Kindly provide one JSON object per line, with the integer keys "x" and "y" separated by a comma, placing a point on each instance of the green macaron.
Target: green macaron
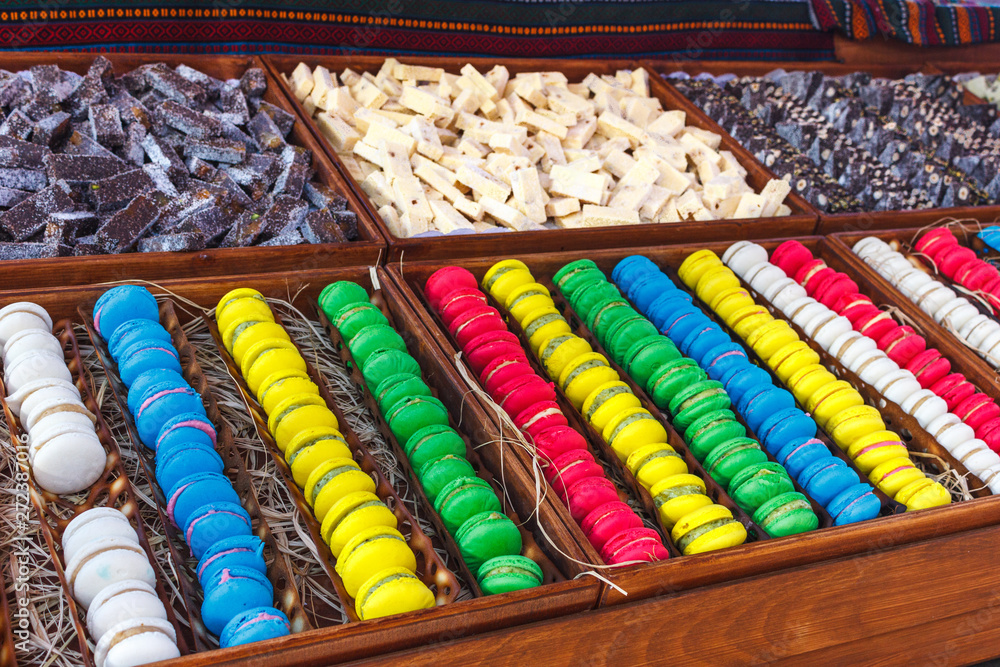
{"x": 598, "y": 312}
{"x": 696, "y": 401}
{"x": 464, "y": 497}
{"x": 487, "y": 535}
{"x": 373, "y": 338}
{"x": 569, "y": 272}
{"x": 627, "y": 333}
{"x": 586, "y": 298}
{"x": 670, "y": 378}
{"x": 787, "y": 514}
{"x": 505, "y": 574}
{"x": 354, "y": 317}
{"x": 647, "y": 355}
{"x": 383, "y": 363}
{"x": 608, "y": 318}
{"x": 337, "y": 295}
{"x": 433, "y": 442}
{"x": 440, "y": 472}
{"x": 730, "y": 457}
{"x": 758, "y": 483}
{"x": 413, "y": 413}
{"x": 399, "y": 386}
{"x": 711, "y": 430}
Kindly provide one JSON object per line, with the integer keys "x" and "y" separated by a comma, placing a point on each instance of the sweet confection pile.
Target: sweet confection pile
{"x": 485, "y": 151}
{"x": 150, "y": 160}
{"x": 860, "y": 143}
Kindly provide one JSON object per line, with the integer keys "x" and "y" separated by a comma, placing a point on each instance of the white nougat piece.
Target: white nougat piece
{"x": 668, "y": 125}
{"x": 578, "y": 135}
{"x": 395, "y": 160}
{"x": 483, "y": 183}
{"x": 561, "y": 100}
{"x": 722, "y": 187}
{"x": 446, "y": 218}
{"x": 506, "y": 215}
{"x": 527, "y": 190}
{"x": 369, "y": 94}
{"x": 470, "y": 209}
{"x": 774, "y": 194}
{"x": 376, "y": 186}
{"x": 600, "y": 216}
{"x": 631, "y": 197}
{"x": 654, "y": 203}
{"x": 301, "y": 82}
{"x": 420, "y": 101}
{"x": 698, "y": 149}
{"x": 436, "y": 177}
{"x": 426, "y": 136}
{"x": 323, "y": 82}
{"x": 710, "y": 139}
{"x": 364, "y": 118}
{"x": 751, "y": 206}
{"x": 508, "y": 143}
{"x": 368, "y": 152}
{"x": 410, "y": 198}
{"x": 377, "y": 132}
{"x": 341, "y": 136}
{"x": 416, "y": 72}
{"x": 580, "y": 185}
{"x": 540, "y": 123}
{"x": 611, "y": 125}
{"x": 480, "y": 83}
{"x": 729, "y": 163}
{"x": 349, "y": 77}
{"x": 559, "y": 207}
{"x": 530, "y": 88}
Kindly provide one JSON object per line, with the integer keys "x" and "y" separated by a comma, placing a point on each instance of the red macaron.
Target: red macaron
{"x": 503, "y": 369}
{"x": 976, "y": 410}
{"x": 483, "y": 349}
{"x": 608, "y": 520}
{"x": 458, "y": 301}
{"x": 835, "y": 288}
{"x": 875, "y": 324}
{"x": 976, "y": 273}
{"x": 936, "y": 240}
{"x": 816, "y": 279}
{"x": 854, "y": 307}
{"x": 475, "y": 322}
{"x": 953, "y": 259}
{"x": 929, "y": 367}
{"x": 558, "y": 440}
{"x": 635, "y": 544}
{"x": 540, "y": 417}
{"x": 444, "y": 281}
{"x": 567, "y": 469}
{"x": 807, "y": 270}
{"x": 954, "y": 389}
{"x": 902, "y": 344}
{"x": 588, "y": 494}
{"x": 990, "y": 434}
{"x": 790, "y": 256}
{"x": 522, "y": 392}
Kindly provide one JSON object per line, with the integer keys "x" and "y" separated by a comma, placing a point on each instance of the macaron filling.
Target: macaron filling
{"x": 685, "y": 540}
{"x": 628, "y": 421}
{"x": 157, "y": 396}
{"x": 325, "y": 479}
{"x": 604, "y": 396}
{"x": 666, "y": 495}
{"x": 658, "y": 454}
{"x": 312, "y": 443}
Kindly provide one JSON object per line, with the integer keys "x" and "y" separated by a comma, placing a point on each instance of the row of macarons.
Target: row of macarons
{"x": 838, "y": 407}
{"x": 941, "y": 249}
{"x": 468, "y": 506}
{"x": 962, "y": 419}
{"x": 722, "y": 370}
{"x": 956, "y": 313}
{"x": 497, "y": 357}
{"x": 111, "y": 577}
{"x": 64, "y": 451}
{"x": 171, "y": 420}
{"x": 373, "y": 559}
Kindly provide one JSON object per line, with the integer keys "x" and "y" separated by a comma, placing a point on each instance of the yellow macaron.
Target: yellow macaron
{"x": 333, "y": 480}
{"x": 543, "y": 323}
{"x": 874, "y": 449}
{"x": 696, "y": 265}
{"x": 606, "y": 401}
{"x": 677, "y": 496}
{"x": 652, "y": 463}
{"x": 278, "y": 386}
{"x": 353, "y": 514}
{"x": 506, "y": 276}
{"x": 394, "y": 590}
{"x": 831, "y": 399}
{"x": 248, "y": 334}
{"x": 848, "y": 425}
{"x": 893, "y": 475}
{"x": 268, "y": 357}
{"x": 231, "y": 298}
{"x": 771, "y": 337}
{"x": 311, "y": 447}
{"x": 728, "y": 301}
{"x": 923, "y": 494}
{"x": 297, "y": 413}
{"x": 526, "y": 298}
{"x": 583, "y": 375}
{"x": 804, "y": 382}
{"x": 559, "y": 350}
{"x": 791, "y": 358}
{"x": 708, "y": 528}
{"x": 715, "y": 280}
{"x": 371, "y": 550}
{"x": 631, "y": 429}
{"x": 745, "y": 320}
{"x": 239, "y": 315}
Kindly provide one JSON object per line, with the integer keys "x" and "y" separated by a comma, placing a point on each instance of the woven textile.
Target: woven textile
{"x": 692, "y": 29}
{"x": 922, "y": 22}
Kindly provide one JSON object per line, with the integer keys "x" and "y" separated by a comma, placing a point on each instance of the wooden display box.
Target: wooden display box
{"x": 355, "y": 640}
{"x": 801, "y": 221}
{"x": 60, "y": 271}
{"x": 751, "y": 559}
{"x": 847, "y": 222}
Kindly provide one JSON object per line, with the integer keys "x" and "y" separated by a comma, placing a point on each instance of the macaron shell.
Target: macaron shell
{"x": 395, "y": 591}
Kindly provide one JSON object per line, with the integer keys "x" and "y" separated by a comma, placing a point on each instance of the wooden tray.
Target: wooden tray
{"x": 801, "y": 221}
{"x": 113, "y": 489}
{"x": 830, "y": 223}
{"x": 753, "y": 559}
{"x": 354, "y": 641}
{"x": 61, "y": 271}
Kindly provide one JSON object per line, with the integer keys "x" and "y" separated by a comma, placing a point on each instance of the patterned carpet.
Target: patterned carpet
{"x": 681, "y": 29}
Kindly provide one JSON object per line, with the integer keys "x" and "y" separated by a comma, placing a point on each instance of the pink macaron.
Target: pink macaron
{"x": 929, "y": 367}
{"x": 483, "y": 349}
{"x": 458, "y": 301}
{"x": 589, "y": 493}
{"x": 503, "y": 369}
{"x": 540, "y": 417}
{"x": 976, "y": 410}
{"x": 790, "y": 256}
{"x": 556, "y": 441}
{"x": 522, "y": 392}
{"x": 444, "y": 281}
{"x": 975, "y": 274}
{"x": 902, "y": 344}
{"x": 815, "y": 279}
{"x": 935, "y": 241}
{"x": 875, "y": 325}
{"x": 567, "y": 469}
{"x": 954, "y": 389}
{"x": 608, "y": 520}
{"x": 475, "y": 322}
{"x": 636, "y": 544}
{"x": 835, "y": 289}
{"x": 953, "y": 259}
{"x": 990, "y": 434}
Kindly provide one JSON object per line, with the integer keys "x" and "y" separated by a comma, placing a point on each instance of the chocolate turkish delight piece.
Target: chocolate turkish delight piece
{"x": 291, "y": 180}
{"x": 253, "y": 83}
{"x": 223, "y": 179}
{"x": 188, "y": 121}
{"x": 80, "y": 143}
{"x": 84, "y": 223}
{"x": 12, "y": 196}
{"x": 10, "y": 251}
{"x": 17, "y": 125}
{"x": 286, "y": 214}
{"x": 164, "y": 156}
{"x": 234, "y": 106}
{"x": 127, "y": 226}
{"x": 200, "y": 169}
{"x": 266, "y": 133}
{"x": 82, "y": 168}
{"x": 348, "y": 223}
{"x": 187, "y": 242}
{"x": 51, "y": 130}
{"x": 112, "y": 193}
{"x": 293, "y": 237}
{"x": 86, "y": 246}
{"x": 15, "y": 92}
{"x": 245, "y": 230}
{"x": 212, "y": 223}
{"x": 106, "y": 125}
{"x": 131, "y": 110}
{"x": 322, "y": 196}
{"x": 172, "y": 85}
{"x": 211, "y": 85}
{"x": 319, "y": 227}
{"x": 30, "y": 216}
{"x": 283, "y": 120}
{"x": 217, "y": 150}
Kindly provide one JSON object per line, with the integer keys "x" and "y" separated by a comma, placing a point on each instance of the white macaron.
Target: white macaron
{"x": 36, "y": 366}
{"x": 924, "y": 406}
{"x": 137, "y": 641}
{"x": 28, "y": 340}
{"x": 742, "y": 255}
{"x": 105, "y": 561}
{"x": 20, "y": 316}
{"x": 122, "y": 601}
{"x": 94, "y": 524}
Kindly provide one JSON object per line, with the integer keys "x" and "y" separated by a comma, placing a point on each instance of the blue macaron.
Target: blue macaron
{"x": 648, "y": 288}
{"x": 722, "y": 357}
{"x": 783, "y": 426}
{"x": 192, "y": 491}
{"x": 759, "y": 403}
{"x": 159, "y": 405}
{"x": 147, "y": 355}
{"x": 175, "y": 463}
{"x": 232, "y": 591}
{"x": 215, "y": 521}
{"x": 684, "y": 320}
{"x": 121, "y": 304}
{"x": 184, "y": 429}
{"x": 254, "y": 625}
{"x": 700, "y": 342}
{"x": 796, "y": 455}
{"x": 630, "y": 268}
{"x": 236, "y": 551}
{"x": 133, "y": 331}
{"x": 742, "y": 378}
{"x": 141, "y": 385}
{"x": 854, "y": 504}
{"x": 665, "y": 305}
{"x": 826, "y": 478}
